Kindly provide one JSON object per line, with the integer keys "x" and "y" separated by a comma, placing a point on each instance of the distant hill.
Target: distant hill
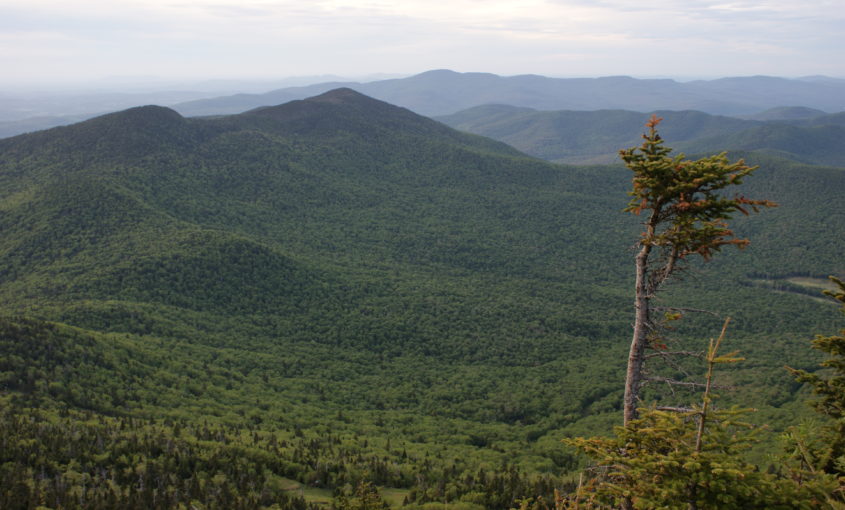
{"x": 594, "y": 137}
{"x": 837, "y": 119}
{"x": 444, "y": 92}
{"x": 786, "y": 113}
{"x": 821, "y": 145}
{"x": 584, "y": 137}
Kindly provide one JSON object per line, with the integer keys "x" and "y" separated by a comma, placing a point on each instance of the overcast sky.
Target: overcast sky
{"x": 52, "y": 41}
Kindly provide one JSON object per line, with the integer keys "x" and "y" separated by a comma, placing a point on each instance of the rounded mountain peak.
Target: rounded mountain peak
{"x": 340, "y": 96}
{"x": 342, "y": 110}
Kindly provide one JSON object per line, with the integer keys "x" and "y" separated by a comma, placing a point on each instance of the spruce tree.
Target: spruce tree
{"x": 828, "y": 454}
{"x": 691, "y": 460}
{"x": 685, "y": 215}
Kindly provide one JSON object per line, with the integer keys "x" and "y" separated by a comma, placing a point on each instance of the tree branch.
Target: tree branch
{"x": 675, "y": 382}
{"x": 676, "y": 409}
{"x": 694, "y": 354}
{"x": 688, "y": 384}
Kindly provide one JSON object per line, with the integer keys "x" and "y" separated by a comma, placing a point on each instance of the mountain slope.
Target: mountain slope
{"x": 595, "y": 137}
{"x": 584, "y": 137}
{"x": 787, "y": 113}
{"x": 377, "y": 182}
{"x": 820, "y": 145}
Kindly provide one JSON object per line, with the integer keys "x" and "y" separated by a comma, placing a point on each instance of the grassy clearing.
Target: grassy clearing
{"x": 395, "y": 497}
{"x": 812, "y": 283}
{"x": 311, "y": 494}
{"x": 806, "y": 287}
{"x": 323, "y": 497}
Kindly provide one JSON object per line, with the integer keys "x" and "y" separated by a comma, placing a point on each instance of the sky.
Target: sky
{"x": 57, "y": 41}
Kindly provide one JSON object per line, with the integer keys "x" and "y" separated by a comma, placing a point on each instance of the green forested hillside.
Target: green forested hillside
{"x": 821, "y": 144}
{"x": 584, "y": 137}
{"x": 788, "y": 113}
{"x": 336, "y": 290}
{"x": 594, "y": 137}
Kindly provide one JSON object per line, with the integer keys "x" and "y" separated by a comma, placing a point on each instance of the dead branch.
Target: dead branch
{"x": 688, "y": 384}
{"x": 693, "y": 354}
{"x": 676, "y": 409}
{"x": 674, "y": 382}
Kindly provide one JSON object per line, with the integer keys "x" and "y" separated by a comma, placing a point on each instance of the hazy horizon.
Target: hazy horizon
{"x": 49, "y": 44}
{"x": 140, "y": 85}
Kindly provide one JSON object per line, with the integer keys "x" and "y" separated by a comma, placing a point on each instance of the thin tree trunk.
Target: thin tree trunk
{"x": 636, "y": 355}
{"x": 705, "y": 407}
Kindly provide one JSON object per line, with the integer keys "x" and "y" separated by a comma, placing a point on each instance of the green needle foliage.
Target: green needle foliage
{"x": 683, "y": 197}
{"x": 365, "y": 497}
{"x": 690, "y": 460}
{"x": 655, "y": 463}
{"x": 827, "y": 455}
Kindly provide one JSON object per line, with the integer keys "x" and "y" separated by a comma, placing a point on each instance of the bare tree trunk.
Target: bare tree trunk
{"x": 639, "y": 341}
{"x": 636, "y": 355}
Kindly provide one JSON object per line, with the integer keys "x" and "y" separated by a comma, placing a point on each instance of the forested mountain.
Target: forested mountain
{"x": 267, "y": 307}
{"x": 787, "y": 113}
{"x": 821, "y": 145}
{"x": 584, "y": 137}
{"x": 444, "y": 92}
{"x": 594, "y": 137}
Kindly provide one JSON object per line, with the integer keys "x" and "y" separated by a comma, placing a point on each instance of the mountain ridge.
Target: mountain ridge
{"x": 443, "y": 92}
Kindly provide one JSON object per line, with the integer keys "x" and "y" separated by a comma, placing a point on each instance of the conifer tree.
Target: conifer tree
{"x": 685, "y": 215}
{"x": 366, "y": 497}
{"x": 691, "y": 460}
{"x": 828, "y": 455}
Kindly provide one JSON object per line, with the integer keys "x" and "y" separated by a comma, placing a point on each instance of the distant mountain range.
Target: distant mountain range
{"x": 595, "y": 137}
{"x": 444, "y": 92}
